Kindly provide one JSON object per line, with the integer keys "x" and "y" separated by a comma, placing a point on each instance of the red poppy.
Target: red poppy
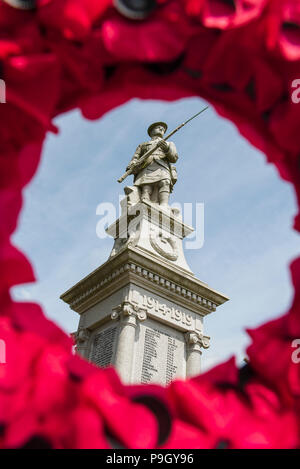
{"x": 133, "y": 425}
{"x": 162, "y": 37}
{"x": 271, "y": 357}
{"x": 233, "y": 416}
{"x": 283, "y": 28}
{"x": 293, "y": 318}
{"x": 88, "y": 429}
{"x": 74, "y": 18}
{"x": 225, "y": 14}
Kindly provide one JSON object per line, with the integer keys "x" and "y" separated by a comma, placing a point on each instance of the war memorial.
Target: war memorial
{"x": 143, "y": 310}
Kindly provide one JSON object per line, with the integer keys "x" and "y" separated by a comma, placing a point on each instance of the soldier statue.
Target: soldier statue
{"x": 156, "y": 177}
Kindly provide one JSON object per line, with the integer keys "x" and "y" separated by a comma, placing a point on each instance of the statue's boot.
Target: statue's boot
{"x": 146, "y": 193}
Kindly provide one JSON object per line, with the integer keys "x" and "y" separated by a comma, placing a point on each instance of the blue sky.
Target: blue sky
{"x": 249, "y": 213}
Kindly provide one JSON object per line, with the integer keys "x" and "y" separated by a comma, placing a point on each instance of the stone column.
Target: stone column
{"x": 128, "y": 315}
{"x": 194, "y": 344}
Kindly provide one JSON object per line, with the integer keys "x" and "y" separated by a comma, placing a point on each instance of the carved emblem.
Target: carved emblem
{"x": 164, "y": 244}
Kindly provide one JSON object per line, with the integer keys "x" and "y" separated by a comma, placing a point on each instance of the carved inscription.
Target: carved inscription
{"x": 171, "y": 368}
{"x": 103, "y": 347}
{"x": 149, "y": 366}
{"x": 159, "y": 358}
{"x": 170, "y": 313}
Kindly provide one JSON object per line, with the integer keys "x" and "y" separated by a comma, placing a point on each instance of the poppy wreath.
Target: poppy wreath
{"x": 242, "y": 56}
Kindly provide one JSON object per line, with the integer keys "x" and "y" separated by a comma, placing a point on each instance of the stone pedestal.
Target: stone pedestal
{"x": 142, "y": 311}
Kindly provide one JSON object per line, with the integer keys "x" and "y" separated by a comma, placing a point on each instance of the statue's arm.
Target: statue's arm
{"x": 172, "y": 154}
{"x": 136, "y": 156}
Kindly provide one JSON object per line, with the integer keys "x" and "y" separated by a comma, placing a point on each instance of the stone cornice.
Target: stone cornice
{"x": 132, "y": 266}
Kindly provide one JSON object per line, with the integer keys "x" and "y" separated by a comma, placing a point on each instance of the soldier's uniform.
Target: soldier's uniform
{"x": 156, "y": 170}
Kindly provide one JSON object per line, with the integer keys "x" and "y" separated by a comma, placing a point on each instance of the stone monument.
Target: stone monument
{"x": 142, "y": 311}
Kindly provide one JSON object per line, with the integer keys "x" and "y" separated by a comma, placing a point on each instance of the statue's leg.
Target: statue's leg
{"x": 164, "y": 192}
{"x": 146, "y": 192}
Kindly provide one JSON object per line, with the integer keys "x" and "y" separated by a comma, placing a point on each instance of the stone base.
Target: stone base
{"x": 143, "y": 317}
{"x": 147, "y": 339}
{"x": 152, "y": 229}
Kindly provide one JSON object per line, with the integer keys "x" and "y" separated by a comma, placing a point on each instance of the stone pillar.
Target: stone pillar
{"x": 194, "y": 344}
{"x": 128, "y": 316}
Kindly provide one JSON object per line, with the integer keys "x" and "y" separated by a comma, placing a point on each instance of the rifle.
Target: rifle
{"x": 145, "y": 156}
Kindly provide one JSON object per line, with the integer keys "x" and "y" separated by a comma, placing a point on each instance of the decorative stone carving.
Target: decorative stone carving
{"x": 197, "y": 338}
{"x": 130, "y": 239}
{"x": 163, "y": 243}
{"x": 206, "y": 305}
{"x": 129, "y": 309}
{"x": 195, "y": 341}
{"x": 132, "y": 195}
{"x": 119, "y": 244}
{"x": 82, "y": 337}
{"x": 205, "y": 341}
{"x": 149, "y": 229}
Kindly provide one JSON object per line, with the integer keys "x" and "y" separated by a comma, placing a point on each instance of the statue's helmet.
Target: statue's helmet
{"x": 155, "y": 124}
